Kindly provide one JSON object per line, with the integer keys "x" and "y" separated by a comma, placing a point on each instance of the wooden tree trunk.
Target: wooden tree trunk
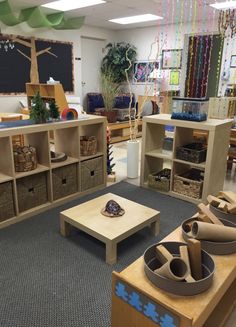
{"x": 34, "y": 75}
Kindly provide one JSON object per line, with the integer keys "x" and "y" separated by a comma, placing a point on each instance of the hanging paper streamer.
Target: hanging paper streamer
{"x": 35, "y": 18}
{"x": 69, "y": 114}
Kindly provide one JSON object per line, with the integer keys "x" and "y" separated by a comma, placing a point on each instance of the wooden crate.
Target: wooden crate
{"x": 64, "y": 181}
{"x": 91, "y": 173}
{"x": 32, "y": 191}
{"x": 7, "y": 208}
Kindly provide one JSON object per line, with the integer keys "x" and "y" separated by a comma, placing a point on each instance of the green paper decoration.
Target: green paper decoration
{"x": 35, "y": 18}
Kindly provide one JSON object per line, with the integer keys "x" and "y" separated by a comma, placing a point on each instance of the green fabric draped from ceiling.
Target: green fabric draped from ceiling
{"x": 35, "y": 18}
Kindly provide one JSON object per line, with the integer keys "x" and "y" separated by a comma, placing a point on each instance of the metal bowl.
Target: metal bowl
{"x": 152, "y": 263}
{"x": 219, "y": 248}
{"x": 224, "y": 215}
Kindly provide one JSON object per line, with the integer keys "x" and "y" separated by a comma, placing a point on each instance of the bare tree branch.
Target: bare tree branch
{"x": 45, "y": 51}
{"x": 52, "y": 54}
{"x": 25, "y": 43}
{"x": 23, "y": 54}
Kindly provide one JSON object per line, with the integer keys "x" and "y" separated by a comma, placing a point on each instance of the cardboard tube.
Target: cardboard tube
{"x": 175, "y": 269}
{"x": 212, "y": 232}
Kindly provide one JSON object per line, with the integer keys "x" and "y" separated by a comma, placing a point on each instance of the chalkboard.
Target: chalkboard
{"x": 15, "y": 67}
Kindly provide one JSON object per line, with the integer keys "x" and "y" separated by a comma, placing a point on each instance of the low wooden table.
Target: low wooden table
{"x": 88, "y": 218}
{"x": 137, "y": 302}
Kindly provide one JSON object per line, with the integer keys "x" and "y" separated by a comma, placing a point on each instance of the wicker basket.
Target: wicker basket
{"x": 91, "y": 173}
{"x": 88, "y": 145}
{"x": 65, "y": 181}
{"x": 32, "y": 191}
{"x": 160, "y": 180}
{"x": 24, "y": 158}
{"x": 189, "y": 183}
{"x": 193, "y": 152}
{"x": 7, "y": 209}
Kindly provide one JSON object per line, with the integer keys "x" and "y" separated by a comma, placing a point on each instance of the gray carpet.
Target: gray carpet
{"x": 50, "y": 281}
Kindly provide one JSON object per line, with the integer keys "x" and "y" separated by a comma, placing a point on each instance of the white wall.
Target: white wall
{"x": 173, "y": 37}
{"x": 11, "y": 103}
{"x": 170, "y": 36}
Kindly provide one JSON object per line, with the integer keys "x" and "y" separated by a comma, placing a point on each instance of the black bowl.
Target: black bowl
{"x": 212, "y": 247}
{"x": 151, "y": 263}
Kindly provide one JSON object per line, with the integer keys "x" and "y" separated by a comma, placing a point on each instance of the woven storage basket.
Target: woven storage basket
{"x": 160, "y": 180}
{"x": 64, "y": 181}
{"x": 7, "y": 209}
{"x": 32, "y": 191}
{"x": 189, "y": 183}
{"x": 88, "y": 145}
{"x": 25, "y": 158}
{"x": 193, "y": 152}
{"x": 91, "y": 173}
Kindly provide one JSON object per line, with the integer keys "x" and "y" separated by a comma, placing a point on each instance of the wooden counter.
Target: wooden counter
{"x": 209, "y": 309}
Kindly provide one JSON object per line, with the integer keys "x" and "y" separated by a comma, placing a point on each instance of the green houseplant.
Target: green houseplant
{"x": 109, "y": 90}
{"x": 115, "y": 60}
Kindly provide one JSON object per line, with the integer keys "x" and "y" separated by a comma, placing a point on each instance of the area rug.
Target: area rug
{"x": 47, "y": 280}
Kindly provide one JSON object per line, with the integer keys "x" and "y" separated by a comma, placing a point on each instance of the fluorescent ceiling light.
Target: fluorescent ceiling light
{"x": 65, "y": 5}
{"x": 135, "y": 19}
{"x": 224, "y": 5}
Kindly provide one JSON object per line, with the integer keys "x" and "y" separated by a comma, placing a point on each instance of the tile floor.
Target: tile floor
{"x": 120, "y": 160}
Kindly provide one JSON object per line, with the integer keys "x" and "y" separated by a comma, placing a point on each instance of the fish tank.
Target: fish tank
{"x": 194, "y": 109}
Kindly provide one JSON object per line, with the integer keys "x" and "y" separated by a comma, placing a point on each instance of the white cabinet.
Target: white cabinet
{"x": 154, "y": 158}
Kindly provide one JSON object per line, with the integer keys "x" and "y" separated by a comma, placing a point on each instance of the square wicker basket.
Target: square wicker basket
{"x": 160, "y": 180}
{"x": 88, "y": 145}
{"x": 7, "y": 209}
{"x": 189, "y": 183}
{"x": 32, "y": 191}
{"x": 91, "y": 173}
{"x": 65, "y": 181}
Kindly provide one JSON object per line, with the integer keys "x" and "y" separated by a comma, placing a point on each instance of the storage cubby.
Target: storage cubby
{"x": 29, "y": 192}
{"x": 64, "y": 181}
{"x": 6, "y": 162}
{"x": 97, "y": 131}
{"x": 213, "y": 169}
{"x": 92, "y": 172}
{"x": 32, "y": 191}
{"x": 7, "y": 205}
{"x": 66, "y": 140}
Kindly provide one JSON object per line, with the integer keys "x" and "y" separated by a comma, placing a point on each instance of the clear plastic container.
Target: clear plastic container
{"x": 194, "y": 109}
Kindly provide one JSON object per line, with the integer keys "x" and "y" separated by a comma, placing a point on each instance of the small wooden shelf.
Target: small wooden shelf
{"x": 193, "y": 164}
{"x": 208, "y": 309}
{"x": 120, "y": 131}
{"x": 98, "y": 154}
{"x": 154, "y": 160}
{"x": 48, "y": 178}
{"x": 39, "y": 169}
{"x": 5, "y": 178}
{"x": 68, "y": 161}
{"x": 159, "y": 154}
{"x": 47, "y": 92}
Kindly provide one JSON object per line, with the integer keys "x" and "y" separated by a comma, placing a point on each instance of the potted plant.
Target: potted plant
{"x": 116, "y": 61}
{"x": 109, "y": 91}
{"x": 38, "y": 110}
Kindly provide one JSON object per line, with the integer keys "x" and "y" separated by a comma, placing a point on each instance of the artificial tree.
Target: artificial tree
{"x": 54, "y": 112}
{"x": 38, "y": 112}
{"x": 115, "y": 60}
